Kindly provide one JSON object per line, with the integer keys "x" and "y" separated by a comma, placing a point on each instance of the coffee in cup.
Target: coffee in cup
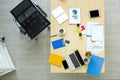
{"x": 86, "y": 60}
{"x": 61, "y": 31}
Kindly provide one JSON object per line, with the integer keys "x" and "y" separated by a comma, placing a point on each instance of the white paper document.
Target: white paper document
{"x": 74, "y": 16}
{"x": 95, "y": 37}
{"x": 97, "y": 47}
{"x": 60, "y": 15}
{"x": 97, "y": 32}
{"x": 94, "y": 47}
{"x": 89, "y": 27}
{"x": 89, "y": 44}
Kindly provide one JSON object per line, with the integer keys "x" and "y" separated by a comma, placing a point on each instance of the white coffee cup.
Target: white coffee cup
{"x": 86, "y": 60}
{"x": 61, "y": 31}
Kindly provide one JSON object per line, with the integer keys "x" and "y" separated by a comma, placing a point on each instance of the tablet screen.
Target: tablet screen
{"x": 94, "y": 13}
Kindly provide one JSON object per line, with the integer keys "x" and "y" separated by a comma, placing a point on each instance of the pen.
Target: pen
{"x": 53, "y": 35}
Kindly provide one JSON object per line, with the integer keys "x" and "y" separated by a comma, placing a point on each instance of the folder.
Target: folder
{"x": 95, "y": 65}
{"x": 55, "y": 59}
{"x": 58, "y": 43}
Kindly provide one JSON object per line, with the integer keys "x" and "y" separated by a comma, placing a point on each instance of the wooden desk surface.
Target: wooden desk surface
{"x": 76, "y": 43}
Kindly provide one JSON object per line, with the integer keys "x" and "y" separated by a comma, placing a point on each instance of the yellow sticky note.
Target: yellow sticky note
{"x": 55, "y": 59}
{"x": 78, "y": 31}
{"x": 83, "y": 32}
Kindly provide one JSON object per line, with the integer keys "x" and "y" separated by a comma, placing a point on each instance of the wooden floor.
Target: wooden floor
{"x": 30, "y": 56}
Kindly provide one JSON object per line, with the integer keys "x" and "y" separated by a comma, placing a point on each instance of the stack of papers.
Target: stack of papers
{"x": 60, "y": 15}
{"x": 95, "y": 37}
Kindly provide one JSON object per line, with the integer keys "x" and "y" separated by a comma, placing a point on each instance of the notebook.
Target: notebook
{"x": 59, "y": 15}
{"x": 58, "y": 11}
{"x": 95, "y": 65}
{"x": 58, "y": 43}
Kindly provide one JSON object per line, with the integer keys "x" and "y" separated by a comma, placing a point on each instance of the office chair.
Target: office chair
{"x": 30, "y": 18}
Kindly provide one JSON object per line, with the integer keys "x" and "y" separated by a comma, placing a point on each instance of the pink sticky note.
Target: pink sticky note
{"x": 82, "y": 28}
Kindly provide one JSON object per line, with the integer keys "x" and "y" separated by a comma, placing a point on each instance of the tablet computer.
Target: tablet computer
{"x": 94, "y": 13}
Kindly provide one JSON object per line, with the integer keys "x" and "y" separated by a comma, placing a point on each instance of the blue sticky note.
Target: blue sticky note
{"x": 95, "y": 65}
{"x": 58, "y": 43}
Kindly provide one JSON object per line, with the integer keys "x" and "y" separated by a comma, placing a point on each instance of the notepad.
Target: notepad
{"x": 58, "y": 43}
{"x": 62, "y": 18}
{"x": 59, "y": 15}
{"x": 58, "y": 11}
{"x": 95, "y": 65}
{"x": 55, "y": 59}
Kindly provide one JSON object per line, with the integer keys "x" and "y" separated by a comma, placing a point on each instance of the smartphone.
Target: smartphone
{"x": 65, "y": 65}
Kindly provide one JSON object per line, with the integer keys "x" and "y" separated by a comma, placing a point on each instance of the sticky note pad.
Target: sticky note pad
{"x": 55, "y": 59}
{"x": 58, "y": 43}
{"x": 84, "y": 32}
{"x": 83, "y": 28}
{"x": 78, "y": 30}
{"x": 95, "y": 65}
